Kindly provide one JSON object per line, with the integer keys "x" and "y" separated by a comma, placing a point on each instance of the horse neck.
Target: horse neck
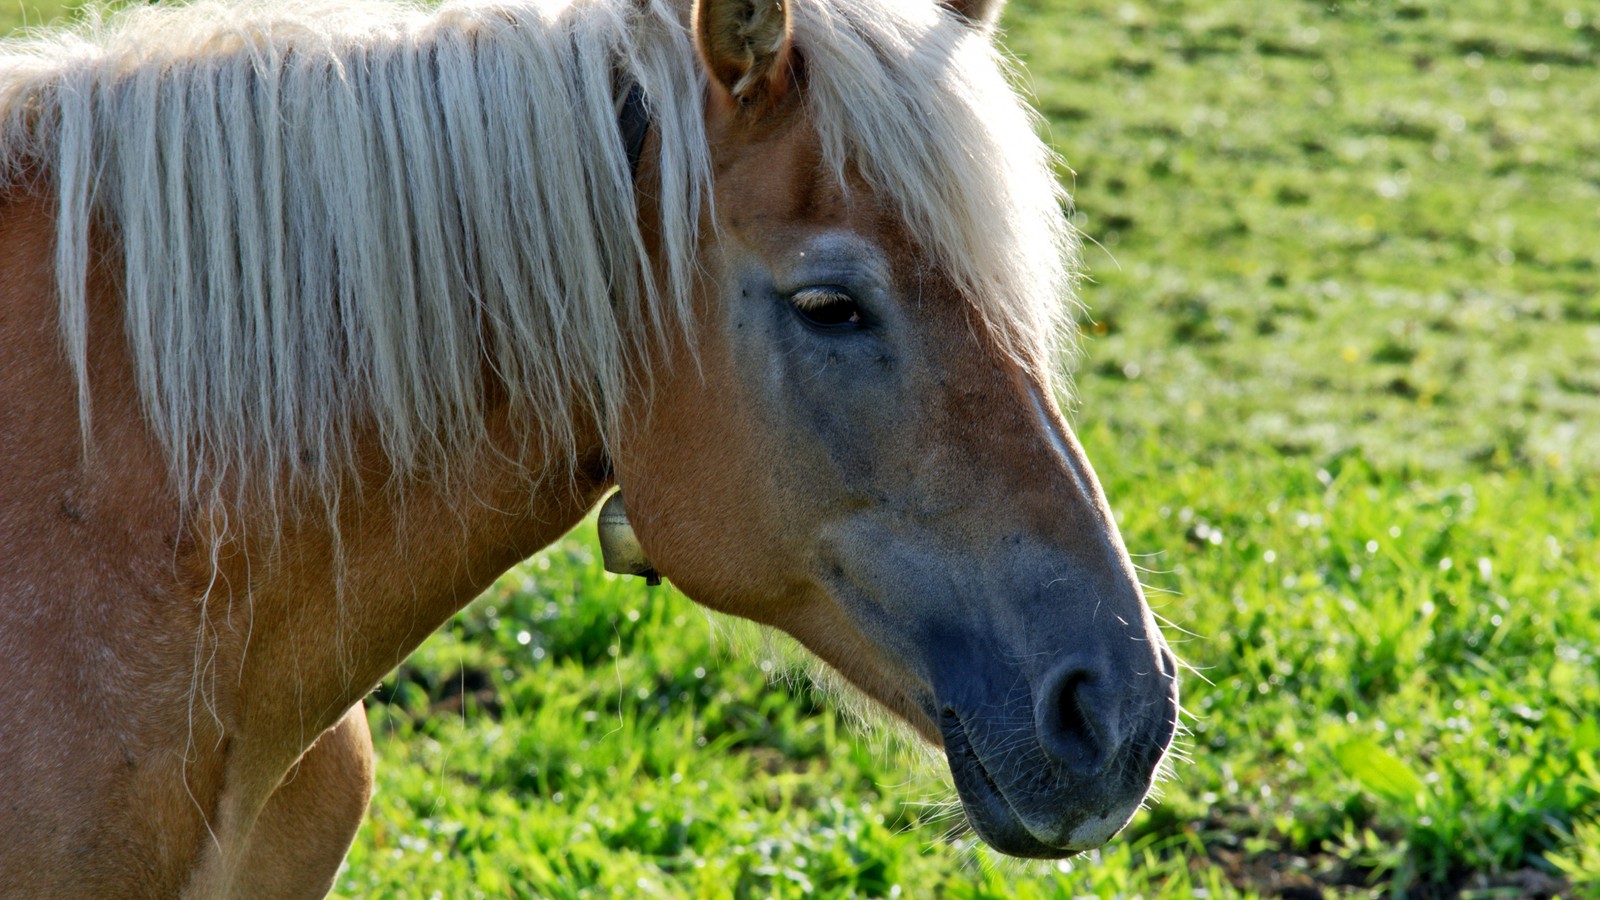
{"x": 346, "y": 595}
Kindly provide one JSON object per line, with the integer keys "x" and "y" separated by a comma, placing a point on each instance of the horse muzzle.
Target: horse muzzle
{"x": 1074, "y": 775}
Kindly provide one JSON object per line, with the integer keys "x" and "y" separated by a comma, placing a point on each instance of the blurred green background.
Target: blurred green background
{"x": 1342, "y": 383}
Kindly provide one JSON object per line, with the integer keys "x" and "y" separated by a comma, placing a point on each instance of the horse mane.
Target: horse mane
{"x": 339, "y": 219}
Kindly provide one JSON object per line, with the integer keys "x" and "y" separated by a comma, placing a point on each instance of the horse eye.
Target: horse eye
{"x": 827, "y": 308}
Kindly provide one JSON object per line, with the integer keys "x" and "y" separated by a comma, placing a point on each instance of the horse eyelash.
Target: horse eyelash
{"x": 817, "y": 298}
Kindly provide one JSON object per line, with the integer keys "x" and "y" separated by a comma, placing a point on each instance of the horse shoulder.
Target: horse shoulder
{"x": 96, "y": 674}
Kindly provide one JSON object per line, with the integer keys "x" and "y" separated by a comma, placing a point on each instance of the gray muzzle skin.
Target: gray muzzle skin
{"x": 620, "y": 550}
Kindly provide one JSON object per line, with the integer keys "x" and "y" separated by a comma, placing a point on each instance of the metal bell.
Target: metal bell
{"x": 620, "y": 550}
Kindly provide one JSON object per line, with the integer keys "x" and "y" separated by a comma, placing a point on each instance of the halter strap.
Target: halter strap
{"x": 633, "y": 120}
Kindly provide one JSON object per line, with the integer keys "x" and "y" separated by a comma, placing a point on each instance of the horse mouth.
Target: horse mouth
{"x": 992, "y": 816}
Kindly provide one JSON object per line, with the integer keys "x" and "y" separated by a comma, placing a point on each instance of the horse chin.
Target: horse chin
{"x": 999, "y": 824}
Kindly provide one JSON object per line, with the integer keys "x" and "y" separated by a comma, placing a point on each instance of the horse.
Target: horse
{"x": 316, "y": 317}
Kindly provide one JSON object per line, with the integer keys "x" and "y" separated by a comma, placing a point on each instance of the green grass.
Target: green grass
{"x": 1343, "y": 386}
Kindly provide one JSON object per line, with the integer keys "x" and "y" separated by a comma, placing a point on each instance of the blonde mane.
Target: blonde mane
{"x": 349, "y": 216}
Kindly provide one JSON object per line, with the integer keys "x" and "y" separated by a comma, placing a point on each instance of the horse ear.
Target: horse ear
{"x": 980, "y": 13}
{"x": 745, "y": 46}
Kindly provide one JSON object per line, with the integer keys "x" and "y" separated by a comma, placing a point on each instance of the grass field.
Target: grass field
{"x": 1342, "y": 384}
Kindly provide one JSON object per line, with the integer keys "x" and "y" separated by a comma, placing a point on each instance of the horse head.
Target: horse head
{"x": 853, "y": 440}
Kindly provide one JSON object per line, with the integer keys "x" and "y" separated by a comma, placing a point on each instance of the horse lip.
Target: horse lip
{"x": 991, "y": 814}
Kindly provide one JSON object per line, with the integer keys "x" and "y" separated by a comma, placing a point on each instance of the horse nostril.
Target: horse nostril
{"x": 1071, "y": 730}
{"x": 1169, "y": 662}
{"x": 1072, "y": 717}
